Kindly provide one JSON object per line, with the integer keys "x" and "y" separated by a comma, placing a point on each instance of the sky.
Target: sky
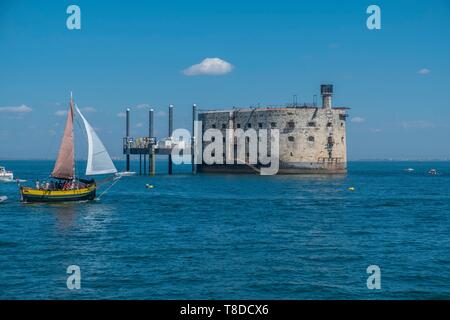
{"x": 219, "y": 54}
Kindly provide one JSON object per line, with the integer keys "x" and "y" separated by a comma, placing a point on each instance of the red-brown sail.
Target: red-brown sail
{"x": 64, "y": 166}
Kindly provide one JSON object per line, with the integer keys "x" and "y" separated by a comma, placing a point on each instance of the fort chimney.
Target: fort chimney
{"x": 327, "y": 92}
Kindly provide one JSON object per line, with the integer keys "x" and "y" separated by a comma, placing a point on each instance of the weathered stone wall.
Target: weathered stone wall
{"x": 304, "y": 135}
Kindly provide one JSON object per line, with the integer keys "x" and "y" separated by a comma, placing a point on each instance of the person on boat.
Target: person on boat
{"x": 64, "y": 174}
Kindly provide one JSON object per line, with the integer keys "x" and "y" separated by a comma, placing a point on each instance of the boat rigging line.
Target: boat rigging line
{"x": 115, "y": 180}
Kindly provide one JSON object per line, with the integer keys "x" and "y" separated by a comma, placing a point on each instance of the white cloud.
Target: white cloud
{"x": 424, "y": 71}
{"x": 121, "y": 115}
{"x": 20, "y": 109}
{"x": 357, "y": 120}
{"x": 142, "y": 106}
{"x": 88, "y": 109}
{"x": 209, "y": 66}
{"x": 61, "y": 113}
{"x": 418, "y": 124}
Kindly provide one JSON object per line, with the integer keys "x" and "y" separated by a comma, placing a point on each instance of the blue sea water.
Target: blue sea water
{"x": 234, "y": 236}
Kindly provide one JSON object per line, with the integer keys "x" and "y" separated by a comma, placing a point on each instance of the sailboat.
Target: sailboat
{"x": 64, "y": 185}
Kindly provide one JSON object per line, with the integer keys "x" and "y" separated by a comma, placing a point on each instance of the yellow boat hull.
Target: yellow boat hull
{"x": 37, "y": 195}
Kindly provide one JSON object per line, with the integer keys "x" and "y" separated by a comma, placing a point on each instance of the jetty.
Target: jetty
{"x": 150, "y": 146}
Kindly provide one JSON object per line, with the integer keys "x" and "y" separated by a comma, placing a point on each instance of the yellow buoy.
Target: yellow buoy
{"x": 351, "y": 188}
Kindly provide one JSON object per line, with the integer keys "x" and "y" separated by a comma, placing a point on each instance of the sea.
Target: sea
{"x": 225, "y": 236}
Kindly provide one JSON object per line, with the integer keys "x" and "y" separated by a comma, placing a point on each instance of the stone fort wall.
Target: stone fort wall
{"x": 312, "y": 139}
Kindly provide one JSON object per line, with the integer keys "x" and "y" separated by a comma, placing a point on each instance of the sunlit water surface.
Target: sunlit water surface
{"x": 234, "y": 236}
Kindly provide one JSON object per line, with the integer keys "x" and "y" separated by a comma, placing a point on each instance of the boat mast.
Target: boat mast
{"x": 73, "y": 134}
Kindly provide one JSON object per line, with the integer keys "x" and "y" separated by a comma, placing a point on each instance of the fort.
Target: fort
{"x": 312, "y": 139}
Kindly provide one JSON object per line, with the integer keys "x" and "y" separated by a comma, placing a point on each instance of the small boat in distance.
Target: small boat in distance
{"x": 409, "y": 170}
{"x": 64, "y": 185}
{"x": 433, "y": 172}
{"x": 6, "y": 176}
{"x": 3, "y": 198}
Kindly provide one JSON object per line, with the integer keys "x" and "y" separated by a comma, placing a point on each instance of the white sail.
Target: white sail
{"x": 99, "y": 161}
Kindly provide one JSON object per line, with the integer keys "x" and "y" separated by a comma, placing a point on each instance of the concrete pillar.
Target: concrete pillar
{"x": 229, "y": 159}
{"x": 170, "y": 134}
{"x": 151, "y": 149}
{"x": 127, "y": 132}
{"x": 145, "y": 164}
{"x": 193, "y": 139}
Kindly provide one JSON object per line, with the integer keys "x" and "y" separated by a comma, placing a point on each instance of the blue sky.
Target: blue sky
{"x": 132, "y": 54}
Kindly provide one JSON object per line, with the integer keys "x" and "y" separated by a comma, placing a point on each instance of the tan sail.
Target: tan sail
{"x": 64, "y": 166}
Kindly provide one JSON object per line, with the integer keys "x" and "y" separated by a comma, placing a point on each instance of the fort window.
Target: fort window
{"x": 213, "y": 139}
{"x": 238, "y": 125}
{"x": 311, "y": 139}
{"x": 291, "y": 138}
{"x": 213, "y": 126}
{"x": 329, "y": 124}
{"x": 311, "y": 124}
{"x": 342, "y": 117}
{"x": 249, "y": 125}
{"x": 260, "y": 125}
{"x": 291, "y": 124}
{"x": 224, "y": 126}
{"x": 273, "y": 124}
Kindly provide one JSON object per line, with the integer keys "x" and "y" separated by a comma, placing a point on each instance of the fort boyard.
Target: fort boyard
{"x": 310, "y": 139}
